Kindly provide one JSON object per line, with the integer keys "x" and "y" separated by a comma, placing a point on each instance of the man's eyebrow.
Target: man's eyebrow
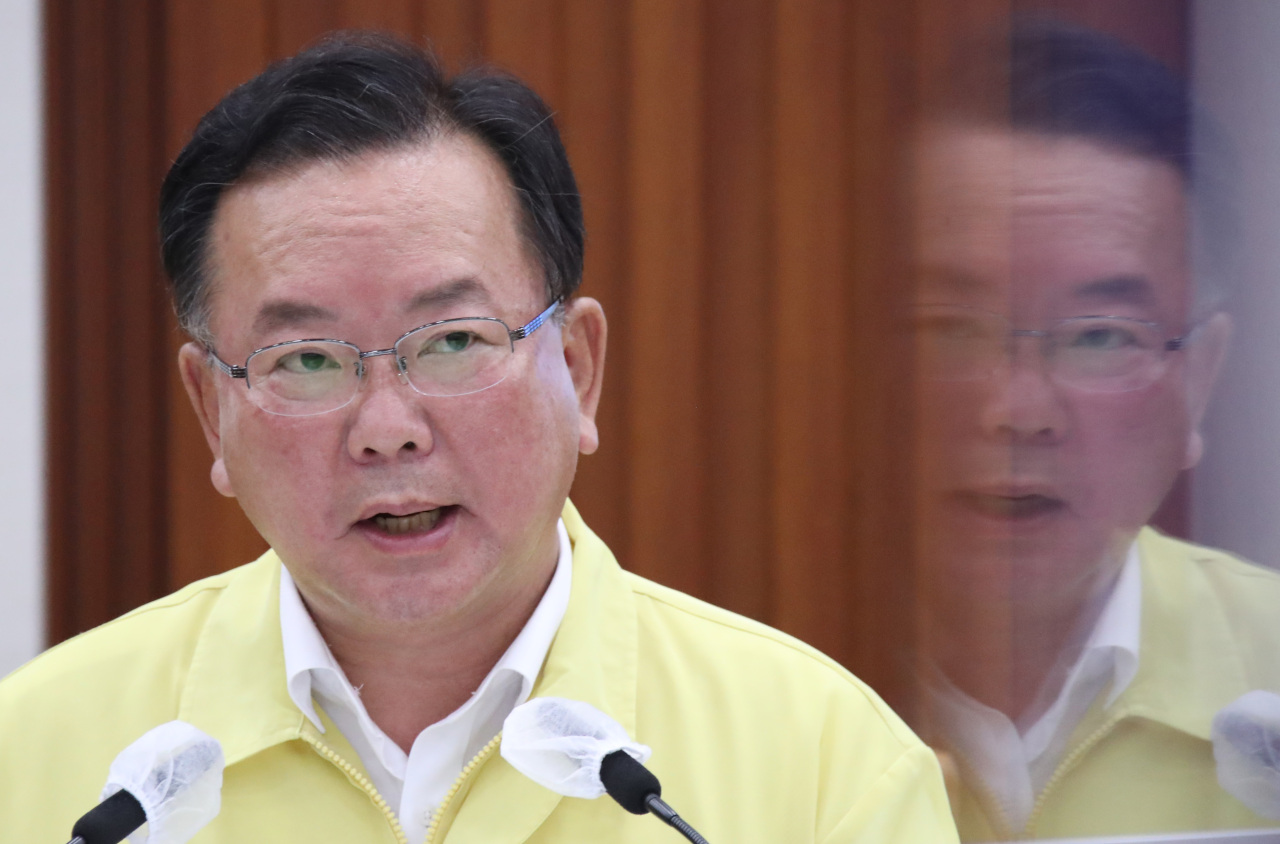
{"x": 1123, "y": 289}
{"x": 455, "y": 292}
{"x": 286, "y": 313}
{"x": 283, "y": 313}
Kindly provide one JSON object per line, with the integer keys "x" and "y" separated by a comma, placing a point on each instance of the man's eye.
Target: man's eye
{"x": 1104, "y": 338}
{"x": 307, "y": 362}
{"x": 451, "y": 343}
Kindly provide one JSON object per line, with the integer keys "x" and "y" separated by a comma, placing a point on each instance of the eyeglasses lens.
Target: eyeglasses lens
{"x": 1102, "y": 354}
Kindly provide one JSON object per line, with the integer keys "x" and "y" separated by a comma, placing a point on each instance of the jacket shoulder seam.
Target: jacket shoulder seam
{"x": 693, "y": 607}
{"x": 168, "y": 602}
{"x": 711, "y": 614}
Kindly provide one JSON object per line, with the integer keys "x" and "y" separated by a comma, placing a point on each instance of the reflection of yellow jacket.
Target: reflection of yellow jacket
{"x": 1210, "y": 633}
{"x": 756, "y": 737}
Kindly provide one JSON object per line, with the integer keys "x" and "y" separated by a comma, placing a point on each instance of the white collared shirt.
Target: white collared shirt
{"x": 1014, "y": 767}
{"x": 414, "y": 784}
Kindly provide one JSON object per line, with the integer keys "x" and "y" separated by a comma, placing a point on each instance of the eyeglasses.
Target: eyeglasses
{"x": 451, "y": 357}
{"x": 1106, "y": 354}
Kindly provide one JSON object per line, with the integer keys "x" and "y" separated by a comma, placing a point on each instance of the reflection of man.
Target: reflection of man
{"x": 411, "y": 472}
{"x": 1078, "y": 657}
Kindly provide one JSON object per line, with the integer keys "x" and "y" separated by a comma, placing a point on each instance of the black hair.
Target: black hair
{"x": 355, "y": 93}
{"x": 1051, "y": 78}
{"x": 1057, "y": 79}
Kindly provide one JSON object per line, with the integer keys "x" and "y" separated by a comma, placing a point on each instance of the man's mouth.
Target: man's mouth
{"x": 420, "y": 522}
{"x": 1012, "y": 507}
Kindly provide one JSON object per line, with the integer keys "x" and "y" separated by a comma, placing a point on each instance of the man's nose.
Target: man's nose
{"x": 389, "y": 419}
{"x": 1022, "y": 403}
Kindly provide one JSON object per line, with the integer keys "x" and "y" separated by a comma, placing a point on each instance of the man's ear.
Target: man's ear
{"x": 198, "y": 378}
{"x": 584, "y": 333}
{"x": 1205, "y": 353}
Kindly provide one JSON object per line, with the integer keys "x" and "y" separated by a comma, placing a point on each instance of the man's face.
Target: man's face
{"x": 363, "y": 251}
{"x": 1033, "y": 488}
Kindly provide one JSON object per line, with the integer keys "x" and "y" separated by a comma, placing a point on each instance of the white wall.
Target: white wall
{"x": 21, "y": 320}
{"x": 1236, "y": 490}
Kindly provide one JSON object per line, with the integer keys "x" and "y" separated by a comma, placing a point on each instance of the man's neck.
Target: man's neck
{"x": 1016, "y": 658}
{"x": 412, "y": 676}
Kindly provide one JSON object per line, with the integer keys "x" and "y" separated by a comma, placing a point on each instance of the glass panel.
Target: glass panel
{"x": 1082, "y": 674}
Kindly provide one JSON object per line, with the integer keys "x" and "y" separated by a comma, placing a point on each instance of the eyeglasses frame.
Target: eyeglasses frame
{"x": 513, "y": 335}
{"x": 1175, "y": 344}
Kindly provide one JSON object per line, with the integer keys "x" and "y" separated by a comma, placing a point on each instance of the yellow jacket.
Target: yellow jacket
{"x": 755, "y": 736}
{"x": 1210, "y": 633}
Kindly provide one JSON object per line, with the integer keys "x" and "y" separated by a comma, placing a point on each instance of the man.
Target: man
{"x": 410, "y": 471}
{"x": 1077, "y": 658}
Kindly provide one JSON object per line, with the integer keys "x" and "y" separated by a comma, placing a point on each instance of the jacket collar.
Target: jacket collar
{"x": 235, "y": 688}
{"x": 594, "y": 655}
{"x": 1189, "y": 662}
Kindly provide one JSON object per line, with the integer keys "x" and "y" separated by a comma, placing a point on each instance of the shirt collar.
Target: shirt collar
{"x": 1120, "y": 624}
{"x": 305, "y": 650}
{"x": 528, "y": 652}
{"x": 1109, "y": 654}
{"x": 309, "y": 663}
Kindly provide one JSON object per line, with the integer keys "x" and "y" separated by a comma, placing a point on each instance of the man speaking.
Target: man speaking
{"x": 376, "y": 265}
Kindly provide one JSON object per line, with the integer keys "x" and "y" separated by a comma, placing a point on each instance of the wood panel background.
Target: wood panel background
{"x": 740, "y": 162}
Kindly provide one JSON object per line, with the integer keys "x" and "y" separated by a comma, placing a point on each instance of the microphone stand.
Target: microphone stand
{"x": 658, "y": 807}
{"x": 637, "y": 790}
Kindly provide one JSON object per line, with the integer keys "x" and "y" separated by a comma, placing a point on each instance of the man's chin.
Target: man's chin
{"x": 409, "y": 602}
{"x": 1018, "y": 574}
{"x": 371, "y": 591}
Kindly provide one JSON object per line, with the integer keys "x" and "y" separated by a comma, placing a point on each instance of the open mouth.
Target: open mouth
{"x": 1014, "y": 507}
{"x": 420, "y": 522}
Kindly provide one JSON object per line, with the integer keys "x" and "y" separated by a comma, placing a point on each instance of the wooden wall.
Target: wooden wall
{"x": 740, "y": 162}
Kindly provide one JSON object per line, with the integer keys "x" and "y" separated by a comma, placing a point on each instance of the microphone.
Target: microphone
{"x": 1246, "y": 748}
{"x": 169, "y": 780}
{"x": 576, "y": 750}
{"x": 637, "y": 790}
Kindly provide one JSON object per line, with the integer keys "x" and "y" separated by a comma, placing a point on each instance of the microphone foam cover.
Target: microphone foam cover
{"x": 559, "y": 744}
{"x": 628, "y": 782}
{"x": 1246, "y": 748}
{"x": 110, "y": 821}
{"x": 175, "y": 772}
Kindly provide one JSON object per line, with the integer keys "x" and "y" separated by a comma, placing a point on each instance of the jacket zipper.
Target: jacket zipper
{"x": 361, "y": 780}
{"x": 989, "y": 801}
{"x": 1066, "y": 765}
{"x": 457, "y": 784}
